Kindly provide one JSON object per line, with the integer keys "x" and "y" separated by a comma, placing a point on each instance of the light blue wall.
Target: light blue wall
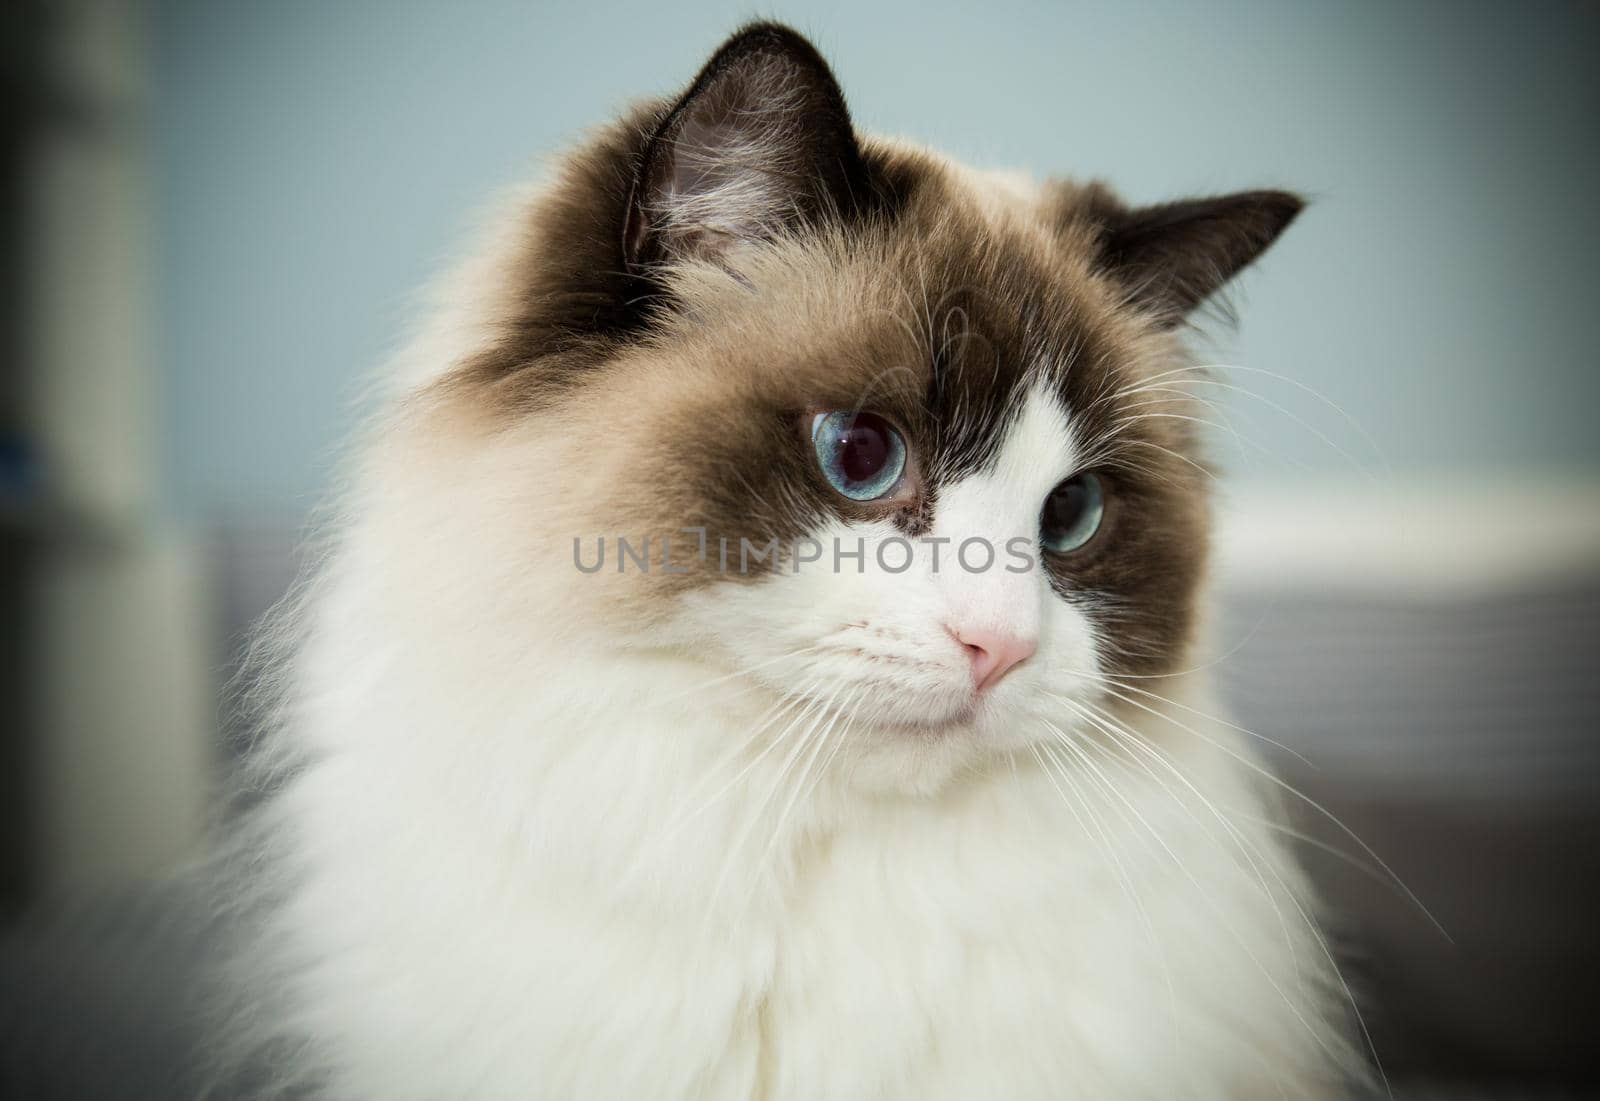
{"x": 320, "y": 158}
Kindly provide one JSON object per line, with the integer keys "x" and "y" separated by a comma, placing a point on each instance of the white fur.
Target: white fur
{"x": 524, "y": 861}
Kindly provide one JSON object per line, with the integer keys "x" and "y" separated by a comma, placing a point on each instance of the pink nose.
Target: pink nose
{"x": 993, "y": 654}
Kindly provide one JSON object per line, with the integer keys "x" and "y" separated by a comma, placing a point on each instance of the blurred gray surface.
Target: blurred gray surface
{"x": 100, "y": 998}
{"x": 1455, "y": 737}
{"x": 1458, "y": 740}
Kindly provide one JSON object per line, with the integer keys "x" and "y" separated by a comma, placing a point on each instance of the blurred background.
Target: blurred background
{"x": 215, "y": 216}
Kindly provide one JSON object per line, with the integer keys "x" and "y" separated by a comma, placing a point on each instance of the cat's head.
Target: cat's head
{"x": 918, "y": 438}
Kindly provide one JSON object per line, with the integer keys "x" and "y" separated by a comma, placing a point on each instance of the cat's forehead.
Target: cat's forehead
{"x": 945, "y": 322}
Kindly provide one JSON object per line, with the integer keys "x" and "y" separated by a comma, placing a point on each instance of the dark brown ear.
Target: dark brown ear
{"x": 1174, "y": 256}
{"x": 760, "y": 144}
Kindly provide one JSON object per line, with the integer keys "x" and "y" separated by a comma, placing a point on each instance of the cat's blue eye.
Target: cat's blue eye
{"x": 1072, "y": 513}
{"x": 861, "y": 454}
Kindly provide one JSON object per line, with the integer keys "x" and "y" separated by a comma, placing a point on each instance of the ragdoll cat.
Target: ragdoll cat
{"x": 762, "y": 653}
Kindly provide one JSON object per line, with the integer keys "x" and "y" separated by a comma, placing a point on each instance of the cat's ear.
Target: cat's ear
{"x": 1174, "y": 256}
{"x": 759, "y": 144}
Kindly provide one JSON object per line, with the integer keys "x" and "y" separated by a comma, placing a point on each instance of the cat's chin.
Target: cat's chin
{"x": 959, "y": 721}
{"x": 916, "y": 716}
{"x": 918, "y": 760}
{"x": 923, "y": 755}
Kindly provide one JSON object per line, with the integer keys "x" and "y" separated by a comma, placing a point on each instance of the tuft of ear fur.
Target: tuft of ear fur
{"x": 760, "y": 143}
{"x": 1173, "y": 256}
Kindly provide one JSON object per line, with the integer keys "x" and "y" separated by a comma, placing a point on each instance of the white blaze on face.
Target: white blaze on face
{"x": 1000, "y": 503}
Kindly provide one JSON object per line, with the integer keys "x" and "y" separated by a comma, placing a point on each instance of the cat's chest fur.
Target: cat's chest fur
{"x": 1028, "y": 933}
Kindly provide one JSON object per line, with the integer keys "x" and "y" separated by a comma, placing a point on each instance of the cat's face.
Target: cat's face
{"x": 918, "y": 439}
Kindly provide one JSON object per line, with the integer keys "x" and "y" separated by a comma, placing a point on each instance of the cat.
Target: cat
{"x": 762, "y": 652}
